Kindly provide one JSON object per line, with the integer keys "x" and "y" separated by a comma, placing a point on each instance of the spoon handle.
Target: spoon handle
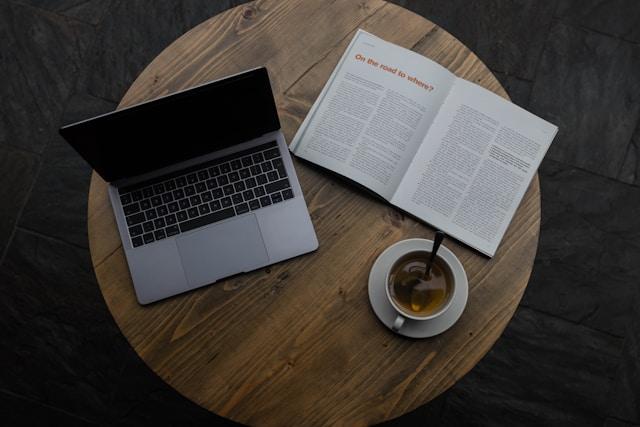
{"x": 437, "y": 240}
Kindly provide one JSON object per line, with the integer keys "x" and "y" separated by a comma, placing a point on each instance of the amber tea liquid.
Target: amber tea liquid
{"x": 415, "y": 294}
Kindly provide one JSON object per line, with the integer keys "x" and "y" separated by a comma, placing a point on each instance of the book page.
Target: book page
{"x": 474, "y": 166}
{"x": 373, "y": 113}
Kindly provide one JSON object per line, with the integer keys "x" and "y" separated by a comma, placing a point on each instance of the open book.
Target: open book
{"x": 441, "y": 148}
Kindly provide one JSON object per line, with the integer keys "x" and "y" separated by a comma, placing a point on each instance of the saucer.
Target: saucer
{"x": 385, "y": 311}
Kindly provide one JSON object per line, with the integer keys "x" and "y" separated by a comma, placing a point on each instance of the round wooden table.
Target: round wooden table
{"x": 298, "y": 343}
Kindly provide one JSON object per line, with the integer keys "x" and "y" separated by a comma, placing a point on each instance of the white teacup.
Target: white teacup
{"x": 403, "y": 313}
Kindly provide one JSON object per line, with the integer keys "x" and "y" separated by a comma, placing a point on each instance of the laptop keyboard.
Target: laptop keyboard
{"x": 204, "y": 194}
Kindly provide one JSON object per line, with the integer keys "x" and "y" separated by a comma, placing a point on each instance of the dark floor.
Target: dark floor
{"x": 571, "y": 354}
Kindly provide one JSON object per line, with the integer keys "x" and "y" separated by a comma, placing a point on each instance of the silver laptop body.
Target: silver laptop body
{"x": 268, "y": 224}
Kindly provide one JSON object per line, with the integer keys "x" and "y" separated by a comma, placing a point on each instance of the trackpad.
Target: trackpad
{"x": 221, "y": 250}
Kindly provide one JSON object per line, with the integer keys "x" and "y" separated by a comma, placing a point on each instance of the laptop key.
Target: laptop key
{"x": 242, "y": 208}
{"x": 272, "y": 187}
{"x": 172, "y": 231}
{"x": 147, "y": 192}
{"x": 136, "y": 196}
{"x": 132, "y": 208}
{"x": 181, "y": 181}
{"x": 207, "y": 219}
{"x": 206, "y": 197}
{"x": 159, "y": 223}
{"x": 214, "y": 171}
{"x": 235, "y": 164}
{"x": 189, "y": 190}
{"x": 215, "y": 205}
{"x": 162, "y": 210}
{"x": 159, "y": 234}
{"x": 265, "y": 201}
{"x": 136, "y": 230}
{"x": 248, "y": 195}
{"x": 158, "y": 189}
{"x": 192, "y": 212}
{"x": 195, "y": 200}
{"x": 259, "y": 191}
{"x": 228, "y": 190}
{"x": 182, "y": 216}
{"x": 170, "y": 185}
{"x": 273, "y": 176}
{"x": 212, "y": 183}
{"x": 287, "y": 194}
{"x": 225, "y": 168}
{"x": 151, "y": 214}
{"x": 226, "y": 202}
{"x": 251, "y": 182}
{"x": 125, "y": 199}
{"x": 239, "y": 186}
{"x": 148, "y": 226}
{"x": 244, "y": 173}
{"x": 203, "y": 175}
{"x": 145, "y": 204}
{"x": 137, "y": 241}
{"x": 266, "y": 167}
{"x": 270, "y": 154}
{"x": 217, "y": 193}
{"x": 277, "y": 163}
{"x": 170, "y": 219}
{"x": 156, "y": 201}
{"x": 184, "y": 204}
{"x": 276, "y": 198}
{"x": 167, "y": 198}
{"x": 246, "y": 161}
{"x": 223, "y": 180}
{"x": 258, "y": 158}
{"x": 254, "y": 204}
{"x": 148, "y": 238}
{"x": 262, "y": 179}
{"x": 204, "y": 209}
{"x": 192, "y": 178}
{"x": 135, "y": 219}
{"x": 200, "y": 187}
{"x": 178, "y": 194}
{"x": 237, "y": 198}
{"x": 173, "y": 207}
{"x": 234, "y": 176}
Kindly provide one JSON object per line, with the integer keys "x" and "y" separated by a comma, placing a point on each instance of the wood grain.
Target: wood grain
{"x": 297, "y": 343}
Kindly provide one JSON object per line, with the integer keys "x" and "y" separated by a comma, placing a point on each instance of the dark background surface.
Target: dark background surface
{"x": 571, "y": 354}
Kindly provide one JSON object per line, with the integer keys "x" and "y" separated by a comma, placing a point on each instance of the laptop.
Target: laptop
{"x": 201, "y": 183}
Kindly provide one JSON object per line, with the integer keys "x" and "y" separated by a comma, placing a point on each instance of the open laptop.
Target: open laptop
{"x": 201, "y": 183}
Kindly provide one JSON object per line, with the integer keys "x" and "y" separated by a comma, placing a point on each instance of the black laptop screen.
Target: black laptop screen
{"x": 178, "y": 127}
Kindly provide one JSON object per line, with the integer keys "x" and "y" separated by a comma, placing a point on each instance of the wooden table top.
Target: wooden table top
{"x": 297, "y": 342}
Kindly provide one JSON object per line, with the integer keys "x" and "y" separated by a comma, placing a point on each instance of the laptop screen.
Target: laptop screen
{"x": 177, "y": 127}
